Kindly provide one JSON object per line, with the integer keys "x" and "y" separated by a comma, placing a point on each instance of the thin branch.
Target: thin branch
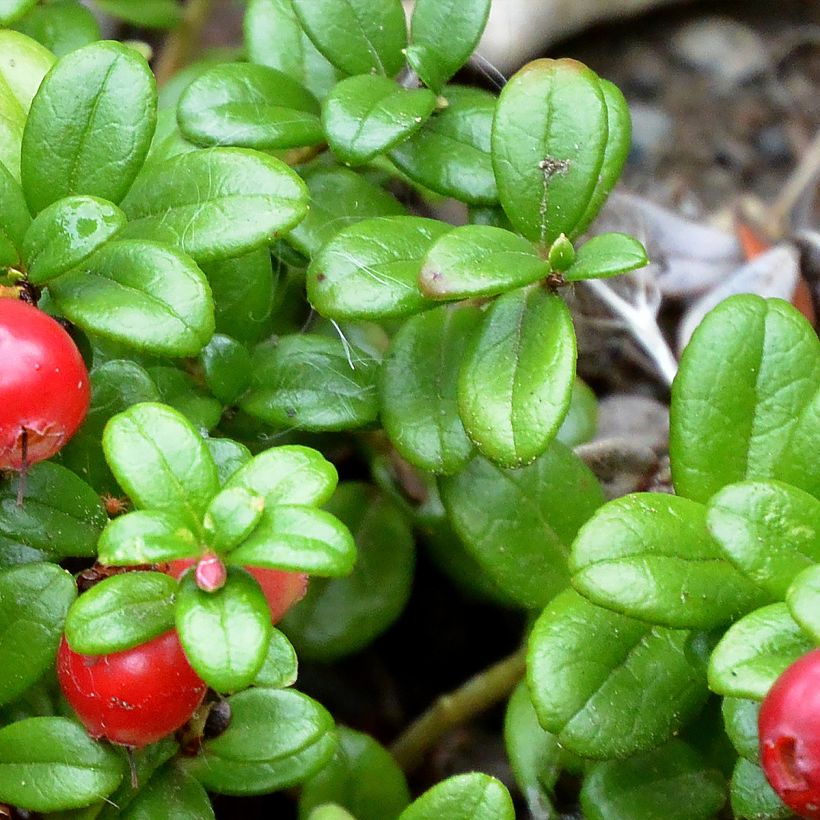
{"x": 472, "y": 698}
{"x": 183, "y": 41}
{"x": 801, "y": 179}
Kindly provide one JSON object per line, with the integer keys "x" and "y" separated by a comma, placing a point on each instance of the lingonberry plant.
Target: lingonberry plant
{"x": 248, "y": 265}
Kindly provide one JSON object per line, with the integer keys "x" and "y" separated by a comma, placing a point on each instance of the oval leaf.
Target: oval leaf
{"x": 170, "y": 793}
{"x": 146, "y": 537}
{"x": 802, "y": 601}
{"x": 14, "y": 216}
{"x": 752, "y": 796}
{"x": 472, "y": 796}
{"x": 232, "y": 516}
{"x": 607, "y": 254}
{"x": 280, "y": 667}
{"x": 61, "y": 27}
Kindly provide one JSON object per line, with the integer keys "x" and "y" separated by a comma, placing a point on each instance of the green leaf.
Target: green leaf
{"x": 370, "y": 270}
{"x": 298, "y": 538}
{"x": 23, "y": 64}
{"x": 170, "y": 793}
{"x": 161, "y": 462}
{"x": 215, "y": 204}
{"x": 34, "y": 599}
{"x": 274, "y": 37}
{"x": 339, "y": 198}
{"x": 229, "y": 456}
{"x": 252, "y": 106}
{"x": 755, "y": 651}
{"x": 417, "y": 389}
{"x": 534, "y": 754}
{"x": 797, "y": 464}
{"x": 61, "y": 26}
{"x": 280, "y": 667}
{"x": 288, "y": 475}
{"x": 90, "y": 125}
{"x": 180, "y": 390}
{"x": 277, "y": 738}
{"x": 581, "y": 422}
{"x": 472, "y": 796}
{"x": 12, "y": 10}
{"x": 143, "y": 294}
{"x": 61, "y": 517}
{"x": 14, "y": 216}
{"x": 374, "y": 33}
{"x": 120, "y": 612}
{"x": 232, "y": 516}
{"x": 225, "y": 634}
{"x": 366, "y": 115}
{"x": 672, "y": 782}
{"x": 549, "y": 143}
{"x": 768, "y": 530}
{"x": 802, "y": 600}
{"x": 227, "y": 367}
{"x": 518, "y": 524}
{"x": 146, "y": 13}
{"x": 311, "y": 383}
{"x": 341, "y": 615}
{"x": 740, "y": 720}
{"x": 733, "y": 423}
{"x": 516, "y": 379}
{"x": 608, "y": 685}
{"x": 147, "y": 537}
{"x": 479, "y": 260}
{"x": 361, "y": 777}
{"x": 443, "y": 35}
{"x": 651, "y": 556}
{"x": 50, "y": 763}
{"x": 66, "y": 233}
{"x": 605, "y": 255}
{"x": 753, "y": 797}
{"x": 451, "y": 153}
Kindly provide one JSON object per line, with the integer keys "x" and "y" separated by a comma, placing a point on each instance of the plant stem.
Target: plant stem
{"x": 475, "y": 696}
{"x": 182, "y": 41}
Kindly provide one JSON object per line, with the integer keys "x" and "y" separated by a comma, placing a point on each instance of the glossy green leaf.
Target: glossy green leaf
{"x": 581, "y": 422}
{"x": 229, "y": 456}
{"x": 180, "y": 390}
{"x": 672, "y": 782}
{"x": 34, "y": 599}
{"x": 479, "y": 260}
{"x": 651, "y": 556}
{"x": 251, "y": 106}
{"x": 361, "y": 777}
{"x": 443, "y": 35}
{"x": 232, "y": 516}
{"x": 120, "y": 612}
{"x": 90, "y": 125}
{"x": 561, "y": 254}
{"x": 549, "y": 141}
{"x": 227, "y": 367}
{"x": 61, "y": 516}
{"x": 605, "y": 255}
{"x": 341, "y": 615}
{"x": 451, "y": 153}
{"x": 373, "y": 33}
{"x": 280, "y": 667}
{"x": 797, "y": 464}
{"x": 277, "y": 738}
{"x": 733, "y": 423}
{"x": 14, "y": 216}
{"x": 288, "y": 475}
{"x": 366, "y": 115}
{"x": 23, "y": 64}
{"x": 740, "y": 720}
{"x": 802, "y": 599}
{"x": 370, "y": 270}
{"x": 170, "y": 793}
{"x": 161, "y": 462}
{"x": 516, "y": 380}
{"x": 753, "y": 797}
{"x": 755, "y": 651}
{"x": 61, "y": 26}
{"x": 225, "y": 634}
{"x": 215, "y": 204}
{"x": 770, "y": 531}
{"x": 311, "y": 383}
{"x": 274, "y": 37}
{"x": 608, "y": 685}
{"x": 519, "y": 524}
{"x": 147, "y": 537}
{"x": 473, "y": 796}
{"x": 417, "y": 389}
{"x": 50, "y": 763}
{"x": 143, "y": 294}
{"x": 66, "y": 233}
{"x": 147, "y": 13}
{"x": 12, "y": 10}
{"x": 534, "y": 754}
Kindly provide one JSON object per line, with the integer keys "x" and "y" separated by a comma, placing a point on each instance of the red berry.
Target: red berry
{"x": 44, "y": 387}
{"x": 789, "y": 731}
{"x": 134, "y": 697}
{"x": 282, "y": 589}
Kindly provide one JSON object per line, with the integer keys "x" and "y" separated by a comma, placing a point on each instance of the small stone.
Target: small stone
{"x": 773, "y": 144}
{"x": 652, "y": 131}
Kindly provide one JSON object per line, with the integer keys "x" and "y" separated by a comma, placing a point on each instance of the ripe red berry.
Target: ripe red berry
{"x": 44, "y": 390}
{"x": 134, "y": 697}
{"x": 282, "y": 589}
{"x": 789, "y": 731}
